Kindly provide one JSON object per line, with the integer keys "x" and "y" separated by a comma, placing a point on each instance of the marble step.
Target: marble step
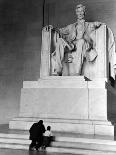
{"x": 14, "y": 136}
{"x": 21, "y": 141}
{"x": 13, "y": 146}
{"x": 14, "y": 141}
{"x": 79, "y": 151}
{"x": 82, "y": 126}
{"x": 59, "y": 150}
{"x": 87, "y": 146}
{"x": 80, "y": 143}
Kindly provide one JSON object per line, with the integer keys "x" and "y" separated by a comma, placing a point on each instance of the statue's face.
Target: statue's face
{"x": 80, "y": 12}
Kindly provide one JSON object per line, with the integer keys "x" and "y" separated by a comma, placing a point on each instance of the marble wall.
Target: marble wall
{"x": 20, "y": 45}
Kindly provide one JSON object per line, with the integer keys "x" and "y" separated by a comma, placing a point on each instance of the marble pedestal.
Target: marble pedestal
{"x": 69, "y": 104}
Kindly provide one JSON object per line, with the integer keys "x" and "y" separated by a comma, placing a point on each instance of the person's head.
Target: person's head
{"x": 49, "y": 128}
{"x": 80, "y": 11}
{"x": 40, "y": 122}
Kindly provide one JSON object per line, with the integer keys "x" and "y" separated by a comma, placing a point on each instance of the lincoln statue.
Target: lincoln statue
{"x": 75, "y": 47}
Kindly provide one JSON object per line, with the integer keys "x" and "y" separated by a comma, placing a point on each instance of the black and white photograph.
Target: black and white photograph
{"x": 57, "y": 77}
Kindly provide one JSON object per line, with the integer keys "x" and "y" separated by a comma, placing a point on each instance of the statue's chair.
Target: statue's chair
{"x": 99, "y": 68}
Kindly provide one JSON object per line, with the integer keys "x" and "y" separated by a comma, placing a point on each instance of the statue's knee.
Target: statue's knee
{"x": 81, "y": 41}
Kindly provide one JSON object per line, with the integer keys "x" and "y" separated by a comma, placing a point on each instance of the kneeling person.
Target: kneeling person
{"x": 48, "y": 137}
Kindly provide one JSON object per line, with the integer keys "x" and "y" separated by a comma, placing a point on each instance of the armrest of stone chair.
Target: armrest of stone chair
{"x": 49, "y": 41}
{"x": 45, "y": 52}
{"x": 98, "y": 68}
{"x": 50, "y": 37}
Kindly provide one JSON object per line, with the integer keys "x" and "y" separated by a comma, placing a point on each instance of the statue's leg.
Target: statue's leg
{"x": 78, "y": 56}
{"x": 57, "y": 58}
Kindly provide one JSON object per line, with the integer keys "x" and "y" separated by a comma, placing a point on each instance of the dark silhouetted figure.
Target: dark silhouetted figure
{"x": 36, "y": 135}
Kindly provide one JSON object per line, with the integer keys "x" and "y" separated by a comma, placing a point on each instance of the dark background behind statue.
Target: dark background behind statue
{"x": 20, "y": 40}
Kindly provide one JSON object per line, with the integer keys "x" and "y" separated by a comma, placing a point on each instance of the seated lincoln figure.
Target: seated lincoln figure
{"x": 75, "y": 44}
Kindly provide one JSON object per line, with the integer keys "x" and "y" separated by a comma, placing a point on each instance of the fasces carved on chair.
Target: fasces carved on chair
{"x": 82, "y": 48}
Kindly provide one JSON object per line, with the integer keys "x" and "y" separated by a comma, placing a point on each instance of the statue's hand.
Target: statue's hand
{"x": 70, "y": 58}
{"x": 48, "y": 27}
{"x": 97, "y": 24}
{"x": 115, "y": 71}
{"x": 71, "y": 46}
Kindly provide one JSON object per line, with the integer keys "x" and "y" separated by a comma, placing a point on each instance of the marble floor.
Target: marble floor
{"x": 25, "y": 152}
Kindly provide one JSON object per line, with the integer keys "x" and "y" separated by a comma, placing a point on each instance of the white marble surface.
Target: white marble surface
{"x": 66, "y": 82}
{"x": 81, "y": 126}
{"x": 45, "y": 54}
{"x": 104, "y": 130}
{"x": 57, "y": 82}
{"x": 98, "y": 68}
{"x": 98, "y": 104}
{"x": 81, "y": 108}
{"x": 56, "y": 102}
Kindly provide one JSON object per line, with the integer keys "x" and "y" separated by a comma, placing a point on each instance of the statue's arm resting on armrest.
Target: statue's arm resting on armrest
{"x": 62, "y": 34}
{"x": 98, "y": 25}
{"x": 47, "y": 28}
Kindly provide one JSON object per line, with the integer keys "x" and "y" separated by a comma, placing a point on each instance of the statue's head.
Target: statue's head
{"x": 80, "y": 11}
